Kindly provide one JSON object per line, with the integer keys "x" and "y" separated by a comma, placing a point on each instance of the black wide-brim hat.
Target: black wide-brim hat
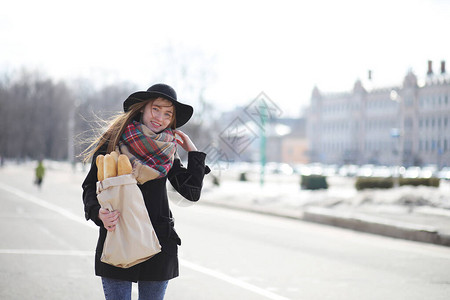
{"x": 183, "y": 112}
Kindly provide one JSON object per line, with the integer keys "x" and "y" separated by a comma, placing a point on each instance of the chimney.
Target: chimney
{"x": 443, "y": 67}
{"x": 430, "y": 68}
{"x": 369, "y": 74}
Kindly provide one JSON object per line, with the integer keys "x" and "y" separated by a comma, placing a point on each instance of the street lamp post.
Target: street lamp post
{"x": 398, "y": 132}
{"x": 263, "y": 146}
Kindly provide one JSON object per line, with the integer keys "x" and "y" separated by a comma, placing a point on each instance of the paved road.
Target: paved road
{"x": 46, "y": 252}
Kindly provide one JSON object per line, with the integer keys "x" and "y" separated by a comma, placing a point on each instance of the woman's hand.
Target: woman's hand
{"x": 185, "y": 141}
{"x": 108, "y": 218}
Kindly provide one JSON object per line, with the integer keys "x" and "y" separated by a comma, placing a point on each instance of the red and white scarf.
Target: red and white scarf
{"x": 151, "y": 154}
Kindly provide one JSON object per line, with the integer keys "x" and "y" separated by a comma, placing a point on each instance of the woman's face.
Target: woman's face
{"x": 158, "y": 114}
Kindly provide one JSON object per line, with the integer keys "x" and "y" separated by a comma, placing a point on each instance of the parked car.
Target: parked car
{"x": 365, "y": 171}
{"x": 383, "y": 171}
{"x": 279, "y": 168}
{"x": 429, "y": 171}
{"x": 412, "y": 172}
{"x": 348, "y": 170}
{"x": 444, "y": 173}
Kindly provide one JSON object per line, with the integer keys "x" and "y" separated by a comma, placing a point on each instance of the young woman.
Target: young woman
{"x": 146, "y": 134}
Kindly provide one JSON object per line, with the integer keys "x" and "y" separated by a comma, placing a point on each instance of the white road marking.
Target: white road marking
{"x": 232, "y": 280}
{"x": 46, "y": 204}
{"x": 73, "y": 217}
{"x": 47, "y": 252}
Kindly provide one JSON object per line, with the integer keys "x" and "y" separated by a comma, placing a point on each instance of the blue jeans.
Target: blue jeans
{"x": 121, "y": 290}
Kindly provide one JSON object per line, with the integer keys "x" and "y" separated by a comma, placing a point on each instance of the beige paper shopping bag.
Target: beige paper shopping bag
{"x": 134, "y": 240}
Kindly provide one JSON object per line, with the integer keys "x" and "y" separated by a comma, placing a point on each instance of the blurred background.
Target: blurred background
{"x": 301, "y": 93}
{"x": 353, "y": 83}
{"x": 335, "y": 112}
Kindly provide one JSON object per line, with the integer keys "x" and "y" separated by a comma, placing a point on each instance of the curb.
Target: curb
{"x": 279, "y": 212}
{"x": 375, "y": 225}
{"x": 353, "y": 221}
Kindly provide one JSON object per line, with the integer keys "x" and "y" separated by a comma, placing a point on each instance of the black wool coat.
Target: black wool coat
{"x": 164, "y": 265}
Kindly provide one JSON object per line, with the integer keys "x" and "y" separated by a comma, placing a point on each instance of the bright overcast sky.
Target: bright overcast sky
{"x": 283, "y": 48}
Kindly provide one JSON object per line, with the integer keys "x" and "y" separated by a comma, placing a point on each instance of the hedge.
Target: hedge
{"x": 374, "y": 183}
{"x": 387, "y": 183}
{"x": 313, "y": 182}
{"x": 432, "y": 181}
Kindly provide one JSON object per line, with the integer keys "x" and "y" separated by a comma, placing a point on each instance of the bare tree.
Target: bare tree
{"x": 34, "y": 114}
{"x": 95, "y": 107}
{"x": 39, "y": 118}
{"x": 190, "y": 71}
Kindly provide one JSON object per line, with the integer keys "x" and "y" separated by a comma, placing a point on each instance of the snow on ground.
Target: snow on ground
{"x": 284, "y": 190}
{"x": 341, "y": 193}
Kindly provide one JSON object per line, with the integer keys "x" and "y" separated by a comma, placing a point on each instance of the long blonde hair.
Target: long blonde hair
{"x": 116, "y": 128}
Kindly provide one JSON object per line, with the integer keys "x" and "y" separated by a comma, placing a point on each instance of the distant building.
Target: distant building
{"x": 240, "y": 138}
{"x": 407, "y": 125}
{"x": 286, "y": 141}
{"x": 294, "y": 146}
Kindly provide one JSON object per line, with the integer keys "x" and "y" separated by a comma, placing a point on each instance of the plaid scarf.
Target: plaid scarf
{"x": 152, "y": 151}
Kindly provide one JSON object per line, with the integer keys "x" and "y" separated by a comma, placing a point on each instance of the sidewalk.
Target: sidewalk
{"x": 412, "y": 213}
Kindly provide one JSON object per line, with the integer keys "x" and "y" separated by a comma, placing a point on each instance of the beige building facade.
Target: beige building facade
{"x": 401, "y": 125}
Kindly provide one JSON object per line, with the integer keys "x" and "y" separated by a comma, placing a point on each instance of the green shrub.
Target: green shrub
{"x": 243, "y": 176}
{"x": 313, "y": 182}
{"x": 420, "y": 181}
{"x": 215, "y": 180}
{"x": 374, "y": 183}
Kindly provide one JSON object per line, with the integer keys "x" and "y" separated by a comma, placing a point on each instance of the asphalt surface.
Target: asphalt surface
{"x": 47, "y": 252}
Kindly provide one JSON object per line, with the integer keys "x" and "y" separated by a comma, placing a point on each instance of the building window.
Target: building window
{"x": 408, "y": 101}
{"x": 408, "y": 123}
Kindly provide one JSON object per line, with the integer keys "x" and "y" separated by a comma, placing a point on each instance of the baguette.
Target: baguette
{"x": 99, "y": 162}
{"x": 123, "y": 165}
{"x": 109, "y": 165}
{"x": 115, "y": 155}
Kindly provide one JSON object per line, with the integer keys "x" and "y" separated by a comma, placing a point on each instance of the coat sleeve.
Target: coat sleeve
{"x": 189, "y": 181}
{"x": 91, "y": 205}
